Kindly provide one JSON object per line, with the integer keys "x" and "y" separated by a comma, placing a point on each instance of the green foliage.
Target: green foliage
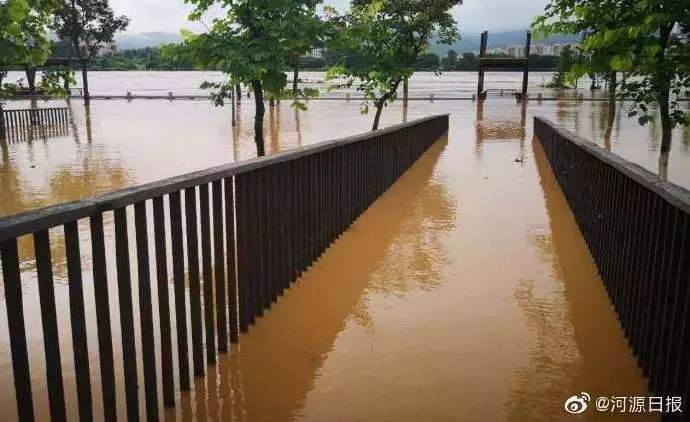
{"x": 255, "y": 42}
{"x": 569, "y": 68}
{"x": 428, "y": 61}
{"x": 451, "y": 60}
{"x": 87, "y": 25}
{"x": 55, "y": 82}
{"x": 23, "y": 39}
{"x": 165, "y": 57}
{"x": 382, "y": 41}
{"x": 645, "y": 39}
{"x": 469, "y": 61}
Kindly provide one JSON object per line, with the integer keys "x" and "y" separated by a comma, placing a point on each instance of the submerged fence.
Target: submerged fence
{"x": 637, "y": 227}
{"x": 18, "y": 124}
{"x": 239, "y": 235}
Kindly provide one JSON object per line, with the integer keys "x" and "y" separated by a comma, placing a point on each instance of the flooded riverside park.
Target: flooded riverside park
{"x": 464, "y": 292}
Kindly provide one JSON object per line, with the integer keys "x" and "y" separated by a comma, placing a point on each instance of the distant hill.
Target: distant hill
{"x": 145, "y": 39}
{"x": 470, "y": 41}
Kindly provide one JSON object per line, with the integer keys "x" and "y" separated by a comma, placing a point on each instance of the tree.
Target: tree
{"x": 566, "y": 16}
{"x": 469, "y": 62}
{"x": 451, "y": 59}
{"x": 428, "y": 61}
{"x": 254, "y": 44}
{"x": 645, "y": 39}
{"x": 87, "y": 25}
{"x": 566, "y": 62}
{"x": 383, "y": 40}
{"x": 306, "y": 33}
{"x": 23, "y": 38}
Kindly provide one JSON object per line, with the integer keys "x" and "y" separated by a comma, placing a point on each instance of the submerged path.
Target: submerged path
{"x": 464, "y": 293}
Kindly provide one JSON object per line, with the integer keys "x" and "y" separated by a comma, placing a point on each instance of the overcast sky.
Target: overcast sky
{"x": 472, "y": 16}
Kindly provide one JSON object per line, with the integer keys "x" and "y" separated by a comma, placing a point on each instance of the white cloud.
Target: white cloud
{"x": 472, "y": 16}
{"x": 478, "y": 15}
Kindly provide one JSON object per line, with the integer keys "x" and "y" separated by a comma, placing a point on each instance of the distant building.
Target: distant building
{"x": 107, "y": 50}
{"x": 539, "y": 49}
{"x": 316, "y": 53}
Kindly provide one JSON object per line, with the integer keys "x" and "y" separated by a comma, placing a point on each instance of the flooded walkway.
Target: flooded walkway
{"x": 465, "y": 293}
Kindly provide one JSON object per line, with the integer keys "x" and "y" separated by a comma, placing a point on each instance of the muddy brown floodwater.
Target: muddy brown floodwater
{"x": 465, "y": 293}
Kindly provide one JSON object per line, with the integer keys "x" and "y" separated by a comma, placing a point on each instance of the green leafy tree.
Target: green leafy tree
{"x": 87, "y": 25}
{"x": 306, "y": 33}
{"x": 254, "y": 43}
{"x": 175, "y": 57}
{"x": 645, "y": 39}
{"x": 469, "y": 62}
{"x": 566, "y": 62}
{"x": 23, "y": 39}
{"x": 586, "y": 17}
{"x": 451, "y": 59}
{"x": 428, "y": 61}
{"x": 383, "y": 40}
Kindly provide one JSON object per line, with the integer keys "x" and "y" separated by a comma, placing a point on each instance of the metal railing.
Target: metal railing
{"x": 637, "y": 228}
{"x": 23, "y": 120}
{"x": 239, "y": 235}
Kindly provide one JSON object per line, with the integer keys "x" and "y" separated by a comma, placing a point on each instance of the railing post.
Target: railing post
{"x": 78, "y": 319}
{"x": 3, "y": 127}
{"x": 323, "y": 190}
{"x": 124, "y": 284}
{"x": 46, "y": 291}
{"x": 105, "y": 343}
{"x": 167, "y": 375}
{"x": 15, "y": 324}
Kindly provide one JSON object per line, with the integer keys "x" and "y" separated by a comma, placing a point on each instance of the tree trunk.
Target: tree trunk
{"x": 663, "y": 165}
{"x": 666, "y": 124}
{"x": 593, "y": 82}
{"x": 406, "y": 86}
{"x": 2, "y": 121}
{"x": 664, "y": 90}
{"x": 238, "y": 91}
{"x": 259, "y": 118}
{"x": 85, "y": 82}
{"x": 611, "y": 110}
{"x": 295, "y": 77}
{"x": 31, "y": 79}
{"x": 379, "y": 108}
{"x": 612, "y": 86}
{"x": 232, "y": 108}
{"x": 611, "y": 117}
{"x": 382, "y": 102}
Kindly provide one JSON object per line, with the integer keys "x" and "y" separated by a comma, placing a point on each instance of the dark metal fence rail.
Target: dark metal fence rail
{"x": 19, "y": 122}
{"x": 637, "y": 227}
{"x": 286, "y": 210}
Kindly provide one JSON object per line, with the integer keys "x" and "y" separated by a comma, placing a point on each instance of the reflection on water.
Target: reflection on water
{"x": 569, "y": 320}
{"x": 446, "y": 84}
{"x": 270, "y": 374}
{"x": 464, "y": 293}
{"x": 501, "y": 128}
{"x": 608, "y": 126}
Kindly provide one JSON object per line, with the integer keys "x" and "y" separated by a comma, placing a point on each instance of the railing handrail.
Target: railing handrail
{"x": 671, "y": 192}
{"x": 637, "y": 230}
{"x": 34, "y": 109}
{"x": 28, "y": 222}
